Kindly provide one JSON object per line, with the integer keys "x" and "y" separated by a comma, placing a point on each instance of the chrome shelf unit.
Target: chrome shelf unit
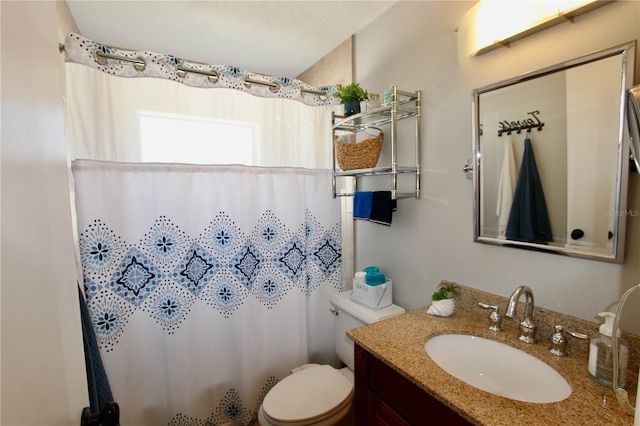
{"x": 404, "y": 105}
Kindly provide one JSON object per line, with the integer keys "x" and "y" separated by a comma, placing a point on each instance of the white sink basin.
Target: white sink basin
{"x": 497, "y": 368}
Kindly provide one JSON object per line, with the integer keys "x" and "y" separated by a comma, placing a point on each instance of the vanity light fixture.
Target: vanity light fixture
{"x": 492, "y": 24}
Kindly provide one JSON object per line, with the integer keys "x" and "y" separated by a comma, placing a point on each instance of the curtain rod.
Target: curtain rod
{"x": 181, "y": 71}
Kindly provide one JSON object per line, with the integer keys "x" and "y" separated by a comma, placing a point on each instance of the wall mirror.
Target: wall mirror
{"x": 551, "y": 157}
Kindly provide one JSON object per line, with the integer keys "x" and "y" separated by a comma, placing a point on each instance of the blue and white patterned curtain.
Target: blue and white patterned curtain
{"x": 206, "y": 284}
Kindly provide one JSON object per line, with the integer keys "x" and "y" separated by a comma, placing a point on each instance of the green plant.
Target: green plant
{"x": 351, "y": 92}
{"x": 446, "y": 291}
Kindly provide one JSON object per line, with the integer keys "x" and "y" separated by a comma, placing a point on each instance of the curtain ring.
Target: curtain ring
{"x": 101, "y": 58}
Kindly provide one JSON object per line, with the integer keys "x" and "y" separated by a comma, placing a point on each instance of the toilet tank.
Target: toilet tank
{"x": 351, "y": 315}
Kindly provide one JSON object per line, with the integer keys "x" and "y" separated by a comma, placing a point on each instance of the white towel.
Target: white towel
{"x": 506, "y": 186}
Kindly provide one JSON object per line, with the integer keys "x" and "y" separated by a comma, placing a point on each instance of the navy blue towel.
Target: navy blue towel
{"x": 382, "y": 207}
{"x": 529, "y": 218}
{"x": 97, "y": 382}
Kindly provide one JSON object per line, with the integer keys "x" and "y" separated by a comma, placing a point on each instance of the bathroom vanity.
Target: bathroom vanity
{"x": 397, "y": 383}
{"x": 386, "y": 397}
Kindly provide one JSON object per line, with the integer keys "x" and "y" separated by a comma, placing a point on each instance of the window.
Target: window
{"x": 175, "y": 138}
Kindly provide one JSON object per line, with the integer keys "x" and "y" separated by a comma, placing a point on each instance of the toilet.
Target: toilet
{"x": 321, "y": 394}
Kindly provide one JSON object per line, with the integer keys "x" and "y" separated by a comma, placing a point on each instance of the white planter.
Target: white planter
{"x": 442, "y": 308}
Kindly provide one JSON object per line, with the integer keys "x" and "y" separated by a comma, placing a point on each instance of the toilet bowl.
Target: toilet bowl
{"x": 322, "y": 395}
{"x": 315, "y": 395}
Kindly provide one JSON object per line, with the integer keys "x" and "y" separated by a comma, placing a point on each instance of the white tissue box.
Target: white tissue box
{"x": 374, "y": 297}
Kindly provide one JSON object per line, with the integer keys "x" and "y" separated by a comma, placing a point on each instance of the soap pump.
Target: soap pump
{"x": 601, "y": 353}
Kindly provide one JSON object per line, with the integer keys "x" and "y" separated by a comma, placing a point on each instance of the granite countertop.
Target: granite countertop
{"x": 399, "y": 342}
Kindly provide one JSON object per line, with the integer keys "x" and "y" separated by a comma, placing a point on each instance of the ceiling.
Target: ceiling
{"x": 279, "y": 38}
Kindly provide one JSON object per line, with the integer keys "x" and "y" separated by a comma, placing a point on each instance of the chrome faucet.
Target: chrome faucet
{"x": 527, "y": 327}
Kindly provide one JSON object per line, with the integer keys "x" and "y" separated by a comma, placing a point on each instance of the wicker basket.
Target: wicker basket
{"x": 358, "y": 155}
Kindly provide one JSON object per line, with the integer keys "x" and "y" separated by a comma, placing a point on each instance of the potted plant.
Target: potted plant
{"x": 443, "y": 300}
{"x": 351, "y": 95}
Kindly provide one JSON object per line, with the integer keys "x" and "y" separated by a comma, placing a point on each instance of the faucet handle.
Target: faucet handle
{"x": 559, "y": 341}
{"x": 495, "y": 318}
{"x": 528, "y": 330}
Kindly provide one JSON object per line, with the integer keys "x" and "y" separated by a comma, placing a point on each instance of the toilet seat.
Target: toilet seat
{"x": 309, "y": 396}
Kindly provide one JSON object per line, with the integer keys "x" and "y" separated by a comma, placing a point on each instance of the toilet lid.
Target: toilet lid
{"x": 310, "y": 393}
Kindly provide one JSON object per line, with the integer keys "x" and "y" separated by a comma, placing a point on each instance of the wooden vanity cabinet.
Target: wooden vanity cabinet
{"x": 385, "y": 397}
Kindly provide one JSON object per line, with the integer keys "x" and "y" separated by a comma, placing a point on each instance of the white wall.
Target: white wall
{"x": 432, "y": 238}
{"x": 42, "y": 363}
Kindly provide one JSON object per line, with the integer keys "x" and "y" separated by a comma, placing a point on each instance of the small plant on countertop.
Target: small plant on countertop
{"x": 443, "y": 301}
{"x": 446, "y": 291}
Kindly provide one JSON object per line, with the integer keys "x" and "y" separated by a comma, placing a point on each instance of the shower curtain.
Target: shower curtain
{"x": 206, "y": 284}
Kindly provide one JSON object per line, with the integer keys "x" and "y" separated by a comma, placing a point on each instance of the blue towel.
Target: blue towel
{"x": 375, "y": 278}
{"x": 529, "y": 218}
{"x": 382, "y": 207}
{"x": 97, "y": 382}
{"x": 362, "y": 205}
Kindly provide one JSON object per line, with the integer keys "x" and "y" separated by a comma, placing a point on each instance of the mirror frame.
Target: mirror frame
{"x": 627, "y": 50}
{"x": 633, "y": 124}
